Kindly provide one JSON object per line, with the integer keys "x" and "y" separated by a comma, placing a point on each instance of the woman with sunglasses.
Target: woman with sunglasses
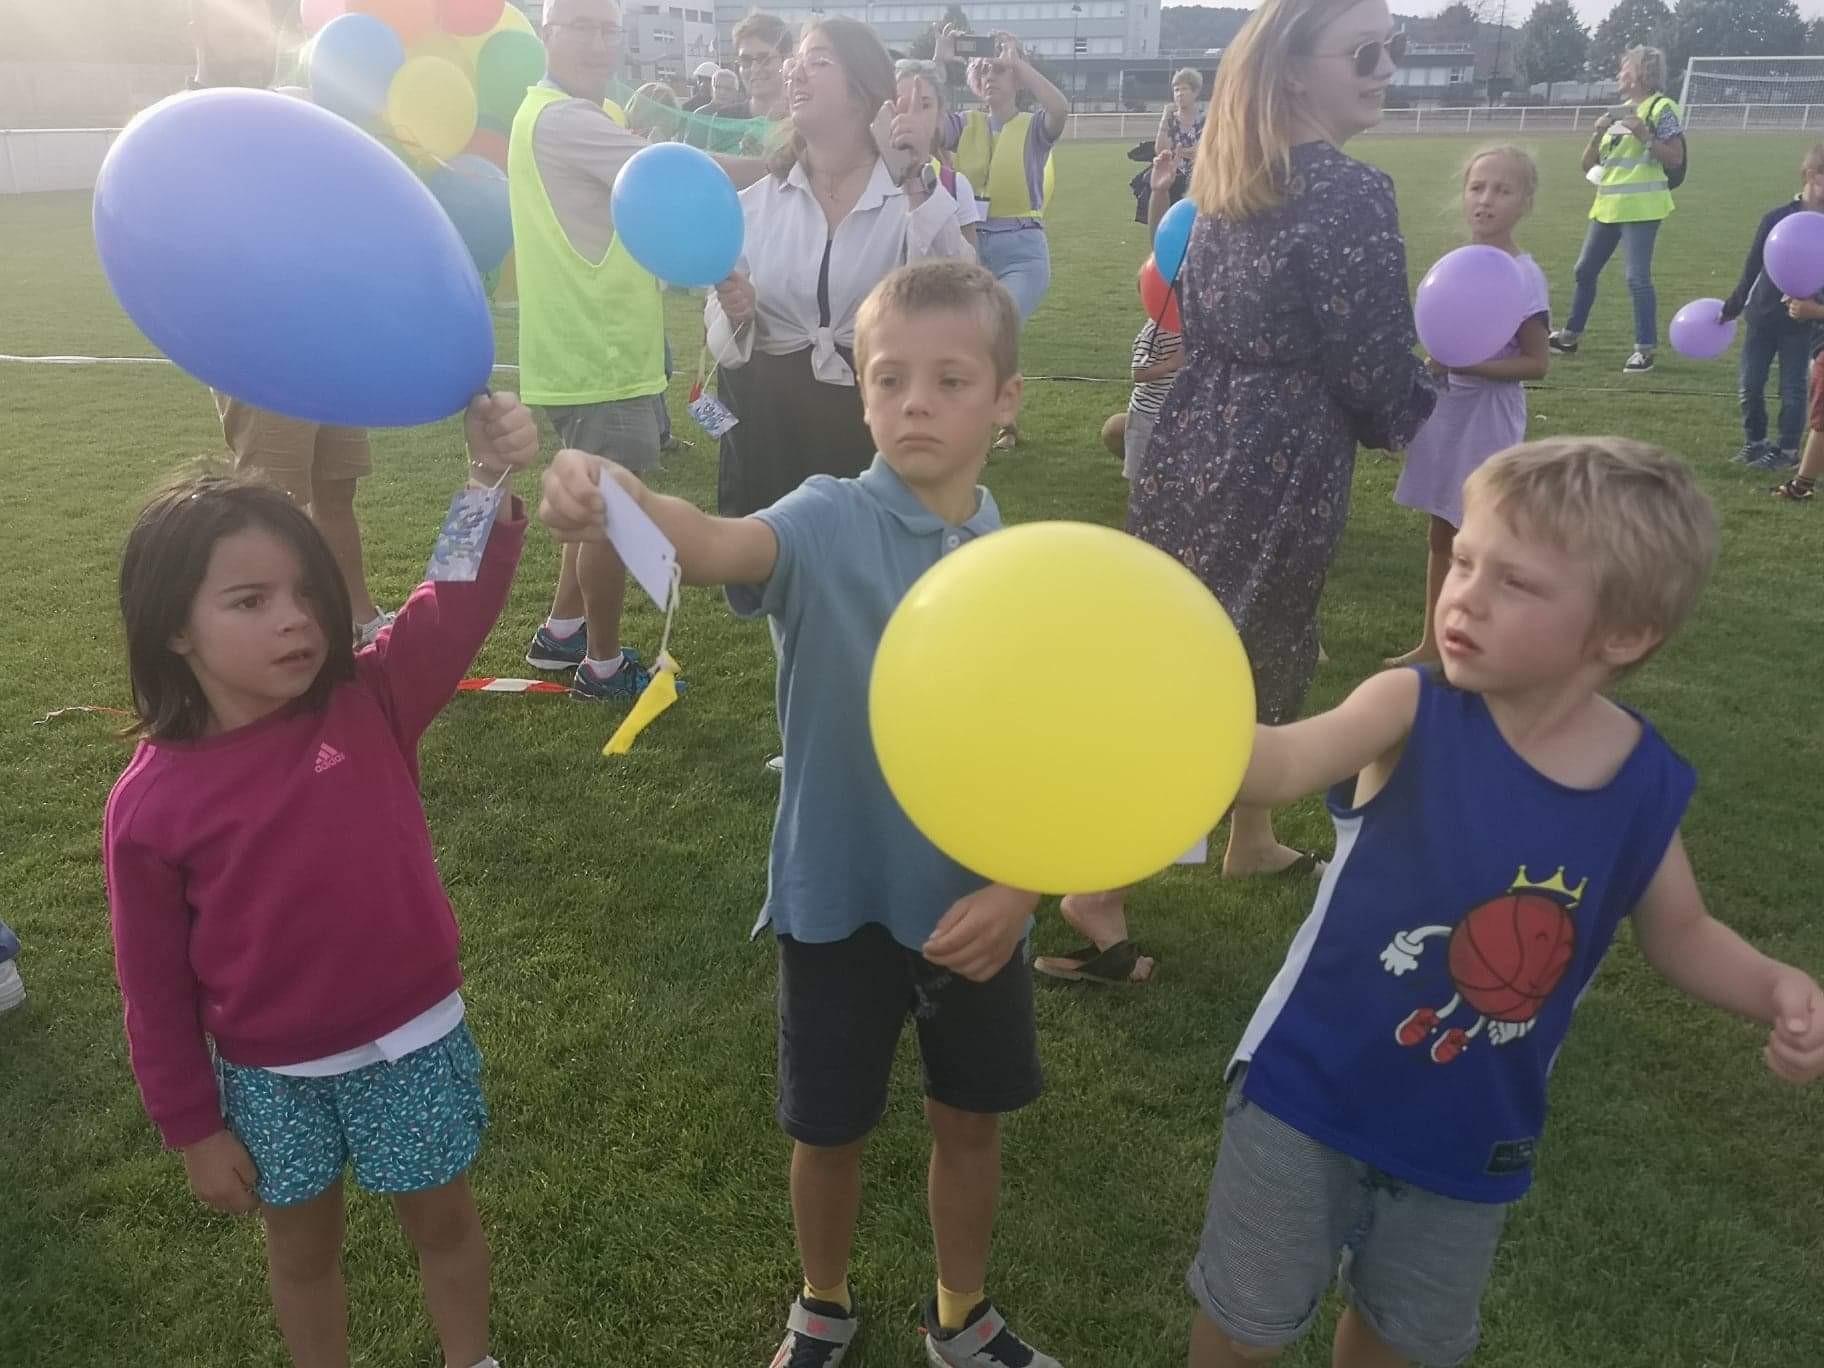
{"x": 1298, "y": 346}
{"x": 832, "y": 219}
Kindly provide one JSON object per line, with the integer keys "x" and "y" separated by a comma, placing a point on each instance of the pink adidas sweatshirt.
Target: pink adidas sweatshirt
{"x": 274, "y": 887}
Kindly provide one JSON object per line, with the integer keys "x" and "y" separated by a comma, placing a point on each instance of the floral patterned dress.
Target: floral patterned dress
{"x": 1298, "y": 342}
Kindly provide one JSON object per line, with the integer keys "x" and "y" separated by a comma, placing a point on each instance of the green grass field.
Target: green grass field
{"x": 634, "y": 1182}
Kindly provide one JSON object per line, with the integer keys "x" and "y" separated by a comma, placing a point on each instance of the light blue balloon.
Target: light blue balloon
{"x": 1173, "y": 239}
{"x": 282, "y": 256}
{"x": 473, "y": 192}
{"x": 679, "y": 215}
{"x": 352, "y": 64}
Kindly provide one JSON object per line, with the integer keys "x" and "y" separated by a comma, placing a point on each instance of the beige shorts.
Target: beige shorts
{"x": 290, "y": 452}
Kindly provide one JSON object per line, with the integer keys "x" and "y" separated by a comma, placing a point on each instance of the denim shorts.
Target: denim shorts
{"x": 624, "y": 430}
{"x": 1284, "y": 1209}
{"x": 408, "y": 1125}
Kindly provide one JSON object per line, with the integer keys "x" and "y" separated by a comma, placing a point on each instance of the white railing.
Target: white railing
{"x": 37, "y": 159}
{"x": 1501, "y": 119}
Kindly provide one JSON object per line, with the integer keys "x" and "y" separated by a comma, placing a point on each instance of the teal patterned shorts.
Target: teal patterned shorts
{"x": 408, "y": 1125}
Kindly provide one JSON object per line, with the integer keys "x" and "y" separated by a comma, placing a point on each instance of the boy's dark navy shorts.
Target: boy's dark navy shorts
{"x": 841, "y": 1007}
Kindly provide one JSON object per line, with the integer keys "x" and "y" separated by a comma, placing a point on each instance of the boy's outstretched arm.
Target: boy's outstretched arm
{"x": 1309, "y": 756}
{"x": 1702, "y": 957}
{"x": 710, "y": 550}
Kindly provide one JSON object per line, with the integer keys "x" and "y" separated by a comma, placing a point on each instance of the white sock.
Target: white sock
{"x": 563, "y": 627}
{"x": 486, "y": 1361}
{"x": 604, "y": 669}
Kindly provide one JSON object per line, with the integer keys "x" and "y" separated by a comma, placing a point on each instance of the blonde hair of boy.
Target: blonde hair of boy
{"x": 1633, "y": 511}
{"x": 1244, "y": 158}
{"x": 1814, "y": 160}
{"x": 944, "y": 285}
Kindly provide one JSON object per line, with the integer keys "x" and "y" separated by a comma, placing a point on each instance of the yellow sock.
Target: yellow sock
{"x": 836, "y": 1296}
{"x": 953, "y": 1308}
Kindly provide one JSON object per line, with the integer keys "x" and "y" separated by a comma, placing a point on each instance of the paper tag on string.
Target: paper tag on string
{"x": 463, "y": 538}
{"x": 712, "y": 415}
{"x": 646, "y": 551}
{"x": 1197, "y": 854}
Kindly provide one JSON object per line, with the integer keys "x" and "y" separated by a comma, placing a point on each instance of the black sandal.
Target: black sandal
{"x": 1087, "y": 964}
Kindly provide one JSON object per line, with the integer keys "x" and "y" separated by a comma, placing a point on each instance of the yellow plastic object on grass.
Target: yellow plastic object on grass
{"x": 1061, "y": 707}
{"x": 660, "y": 693}
{"x": 431, "y": 105}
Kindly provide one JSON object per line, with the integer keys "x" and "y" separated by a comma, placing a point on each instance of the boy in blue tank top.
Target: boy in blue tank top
{"x": 1495, "y": 823}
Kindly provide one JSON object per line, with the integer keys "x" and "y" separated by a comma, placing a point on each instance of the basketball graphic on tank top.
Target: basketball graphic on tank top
{"x": 1508, "y": 954}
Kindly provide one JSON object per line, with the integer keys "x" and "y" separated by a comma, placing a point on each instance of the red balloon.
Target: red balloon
{"x": 469, "y": 18}
{"x": 1160, "y": 300}
{"x": 410, "y": 19}
{"x": 490, "y": 146}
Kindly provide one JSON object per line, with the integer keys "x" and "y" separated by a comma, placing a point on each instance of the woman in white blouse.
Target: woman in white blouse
{"x": 822, "y": 230}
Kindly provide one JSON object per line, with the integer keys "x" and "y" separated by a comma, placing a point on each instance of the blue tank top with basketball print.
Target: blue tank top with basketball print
{"x": 1422, "y": 1004}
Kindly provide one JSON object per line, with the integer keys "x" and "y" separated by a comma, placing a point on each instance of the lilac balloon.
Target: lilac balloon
{"x": 1794, "y": 255}
{"x": 1470, "y": 305}
{"x": 1699, "y": 332}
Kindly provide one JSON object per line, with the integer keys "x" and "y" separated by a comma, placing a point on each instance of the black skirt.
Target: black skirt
{"x": 792, "y": 426}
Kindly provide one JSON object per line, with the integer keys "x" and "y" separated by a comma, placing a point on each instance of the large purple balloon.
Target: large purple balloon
{"x": 280, "y": 255}
{"x": 1699, "y": 332}
{"x": 1794, "y": 255}
{"x": 1470, "y": 305}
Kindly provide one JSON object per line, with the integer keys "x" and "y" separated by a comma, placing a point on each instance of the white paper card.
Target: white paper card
{"x": 649, "y": 555}
{"x": 1197, "y": 854}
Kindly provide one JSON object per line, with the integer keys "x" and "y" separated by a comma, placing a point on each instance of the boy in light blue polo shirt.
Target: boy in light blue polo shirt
{"x": 875, "y": 924}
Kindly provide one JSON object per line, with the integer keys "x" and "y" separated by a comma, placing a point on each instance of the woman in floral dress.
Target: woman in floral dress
{"x": 1298, "y": 343}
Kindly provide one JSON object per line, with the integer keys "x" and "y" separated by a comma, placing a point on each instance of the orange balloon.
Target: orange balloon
{"x": 490, "y": 146}
{"x": 410, "y": 19}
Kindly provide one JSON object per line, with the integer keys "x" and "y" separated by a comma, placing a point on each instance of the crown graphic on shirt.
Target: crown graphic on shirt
{"x": 328, "y": 757}
{"x": 1555, "y": 884}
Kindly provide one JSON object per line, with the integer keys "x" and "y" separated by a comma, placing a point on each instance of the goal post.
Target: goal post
{"x": 1794, "y": 81}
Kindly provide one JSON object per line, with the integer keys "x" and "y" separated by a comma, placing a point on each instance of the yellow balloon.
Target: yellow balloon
{"x": 437, "y": 43}
{"x": 1022, "y": 763}
{"x": 431, "y": 106}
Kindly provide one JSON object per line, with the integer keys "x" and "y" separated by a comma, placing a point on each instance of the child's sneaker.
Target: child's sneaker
{"x": 549, "y": 652}
{"x": 985, "y": 1341}
{"x": 1772, "y": 458}
{"x": 1750, "y": 452}
{"x": 12, "y": 987}
{"x": 1563, "y": 342}
{"x": 817, "y": 1335}
{"x": 367, "y": 632}
{"x": 629, "y": 681}
{"x": 1638, "y": 364}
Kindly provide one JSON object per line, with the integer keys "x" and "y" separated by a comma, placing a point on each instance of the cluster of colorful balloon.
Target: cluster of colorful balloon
{"x": 438, "y": 82}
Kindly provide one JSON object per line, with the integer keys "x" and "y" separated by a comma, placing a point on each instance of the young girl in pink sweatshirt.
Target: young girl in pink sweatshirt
{"x": 286, "y": 952}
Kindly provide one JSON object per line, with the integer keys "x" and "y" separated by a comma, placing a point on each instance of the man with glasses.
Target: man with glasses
{"x": 591, "y": 333}
{"x": 762, "y": 43}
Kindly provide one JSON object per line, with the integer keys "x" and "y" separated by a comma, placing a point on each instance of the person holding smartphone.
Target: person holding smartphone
{"x": 850, "y": 197}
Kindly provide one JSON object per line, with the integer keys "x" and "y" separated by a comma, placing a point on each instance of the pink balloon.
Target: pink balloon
{"x": 1699, "y": 332}
{"x": 1470, "y": 305}
{"x": 469, "y": 18}
{"x": 316, "y": 13}
{"x": 1794, "y": 255}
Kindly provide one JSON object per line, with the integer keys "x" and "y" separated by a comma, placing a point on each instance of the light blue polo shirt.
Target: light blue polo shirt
{"x": 844, "y": 853}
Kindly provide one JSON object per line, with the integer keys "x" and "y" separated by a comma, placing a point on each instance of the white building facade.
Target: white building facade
{"x": 1054, "y": 28}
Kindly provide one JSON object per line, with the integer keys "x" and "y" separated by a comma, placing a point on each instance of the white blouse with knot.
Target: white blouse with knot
{"x": 808, "y": 283}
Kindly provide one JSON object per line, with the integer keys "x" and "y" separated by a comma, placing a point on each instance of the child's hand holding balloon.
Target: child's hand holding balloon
{"x": 503, "y": 436}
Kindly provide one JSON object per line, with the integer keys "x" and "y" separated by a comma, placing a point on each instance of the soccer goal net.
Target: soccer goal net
{"x": 1754, "y": 92}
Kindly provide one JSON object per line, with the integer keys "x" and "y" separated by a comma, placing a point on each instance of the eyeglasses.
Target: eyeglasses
{"x": 813, "y": 65}
{"x": 1367, "y": 57}
{"x": 759, "y": 61}
{"x": 587, "y": 32}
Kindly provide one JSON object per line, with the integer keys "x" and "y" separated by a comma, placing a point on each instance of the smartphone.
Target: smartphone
{"x": 899, "y": 160}
{"x": 976, "y": 45}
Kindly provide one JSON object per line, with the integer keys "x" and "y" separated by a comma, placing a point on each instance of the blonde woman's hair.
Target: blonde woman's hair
{"x": 1188, "y": 76}
{"x": 1814, "y": 160}
{"x": 1652, "y": 64}
{"x": 1632, "y": 510}
{"x": 1245, "y": 156}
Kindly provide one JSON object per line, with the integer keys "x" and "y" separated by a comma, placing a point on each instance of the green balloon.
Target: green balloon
{"x": 509, "y": 62}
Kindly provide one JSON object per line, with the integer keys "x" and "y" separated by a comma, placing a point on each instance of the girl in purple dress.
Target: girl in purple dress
{"x": 1482, "y": 409}
{"x": 1298, "y": 346}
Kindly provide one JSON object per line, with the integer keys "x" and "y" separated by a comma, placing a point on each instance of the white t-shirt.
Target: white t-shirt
{"x": 968, "y": 211}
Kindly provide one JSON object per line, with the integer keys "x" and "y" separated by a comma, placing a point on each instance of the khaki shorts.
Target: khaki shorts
{"x": 290, "y": 452}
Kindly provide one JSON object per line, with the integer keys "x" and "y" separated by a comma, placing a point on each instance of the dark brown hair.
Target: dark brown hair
{"x": 163, "y": 567}
{"x": 864, "y": 61}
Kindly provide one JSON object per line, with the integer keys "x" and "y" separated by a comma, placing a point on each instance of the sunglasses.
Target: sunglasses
{"x": 1367, "y": 58}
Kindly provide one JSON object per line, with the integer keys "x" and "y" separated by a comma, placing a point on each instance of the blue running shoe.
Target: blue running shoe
{"x": 628, "y": 682}
{"x": 549, "y": 652}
